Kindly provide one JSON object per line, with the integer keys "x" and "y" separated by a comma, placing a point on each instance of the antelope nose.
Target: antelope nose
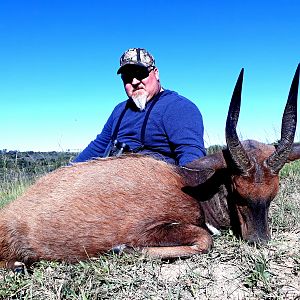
{"x": 258, "y": 238}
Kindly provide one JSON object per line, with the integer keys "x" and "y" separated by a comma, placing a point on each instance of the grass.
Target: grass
{"x": 232, "y": 270}
{"x": 18, "y": 170}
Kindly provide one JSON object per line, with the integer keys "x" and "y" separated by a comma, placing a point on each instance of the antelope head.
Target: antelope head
{"x": 255, "y": 176}
{"x": 251, "y": 168}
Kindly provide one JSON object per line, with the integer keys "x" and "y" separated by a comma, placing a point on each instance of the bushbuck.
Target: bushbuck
{"x": 138, "y": 202}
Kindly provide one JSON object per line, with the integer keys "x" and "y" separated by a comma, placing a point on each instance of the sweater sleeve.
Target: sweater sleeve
{"x": 97, "y": 147}
{"x": 184, "y": 127}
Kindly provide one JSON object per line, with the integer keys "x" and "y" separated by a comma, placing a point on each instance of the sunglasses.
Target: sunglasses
{"x": 138, "y": 73}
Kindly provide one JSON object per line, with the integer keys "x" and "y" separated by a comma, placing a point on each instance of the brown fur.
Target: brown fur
{"x": 89, "y": 208}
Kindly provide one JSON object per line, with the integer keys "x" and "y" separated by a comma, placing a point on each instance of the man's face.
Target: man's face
{"x": 141, "y": 82}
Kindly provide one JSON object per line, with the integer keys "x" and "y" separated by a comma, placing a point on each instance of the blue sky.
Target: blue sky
{"x": 58, "y": 63}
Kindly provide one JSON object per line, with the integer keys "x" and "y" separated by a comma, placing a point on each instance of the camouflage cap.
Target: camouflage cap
{"x": 136, "y": 56}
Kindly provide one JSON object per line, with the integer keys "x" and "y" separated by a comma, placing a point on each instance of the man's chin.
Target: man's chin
{"x": 140, "y": 100}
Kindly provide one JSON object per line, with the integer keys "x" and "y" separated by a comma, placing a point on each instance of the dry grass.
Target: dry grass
{"x": 232, "y": 270}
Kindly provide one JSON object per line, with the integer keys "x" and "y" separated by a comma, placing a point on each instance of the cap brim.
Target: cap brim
{"x": 124, "y": 67}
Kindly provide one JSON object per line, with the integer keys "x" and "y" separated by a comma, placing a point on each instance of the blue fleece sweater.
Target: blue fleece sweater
{"x": 174, "y": 130}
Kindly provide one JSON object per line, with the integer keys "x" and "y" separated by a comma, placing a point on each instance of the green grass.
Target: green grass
{"x": 232, "y": 270}
{"x": 291, "y": 169}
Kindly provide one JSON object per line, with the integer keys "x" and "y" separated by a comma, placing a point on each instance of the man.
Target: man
{"x": 152, "y": 120}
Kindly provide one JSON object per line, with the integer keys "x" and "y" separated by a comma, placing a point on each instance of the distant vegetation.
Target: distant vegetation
{"x": 33, "y": 162}
{"x": 214, "y": 148}
{"x": 20, "y": 169}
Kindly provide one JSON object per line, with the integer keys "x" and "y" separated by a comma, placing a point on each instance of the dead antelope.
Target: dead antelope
{"x": 138, "y": 202}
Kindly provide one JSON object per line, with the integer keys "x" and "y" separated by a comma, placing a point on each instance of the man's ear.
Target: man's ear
{"x": 156, "y": 72}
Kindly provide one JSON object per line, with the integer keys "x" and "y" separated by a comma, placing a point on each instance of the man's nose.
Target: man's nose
{"x": 135, "y": 81}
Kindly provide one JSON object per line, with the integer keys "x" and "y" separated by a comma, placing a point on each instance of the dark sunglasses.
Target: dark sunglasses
{"x": 138, "y": 73}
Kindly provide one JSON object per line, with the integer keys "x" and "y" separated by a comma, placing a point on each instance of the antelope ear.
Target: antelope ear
{"x": 295, "y": 152}
{"x": 200, "y": 170}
